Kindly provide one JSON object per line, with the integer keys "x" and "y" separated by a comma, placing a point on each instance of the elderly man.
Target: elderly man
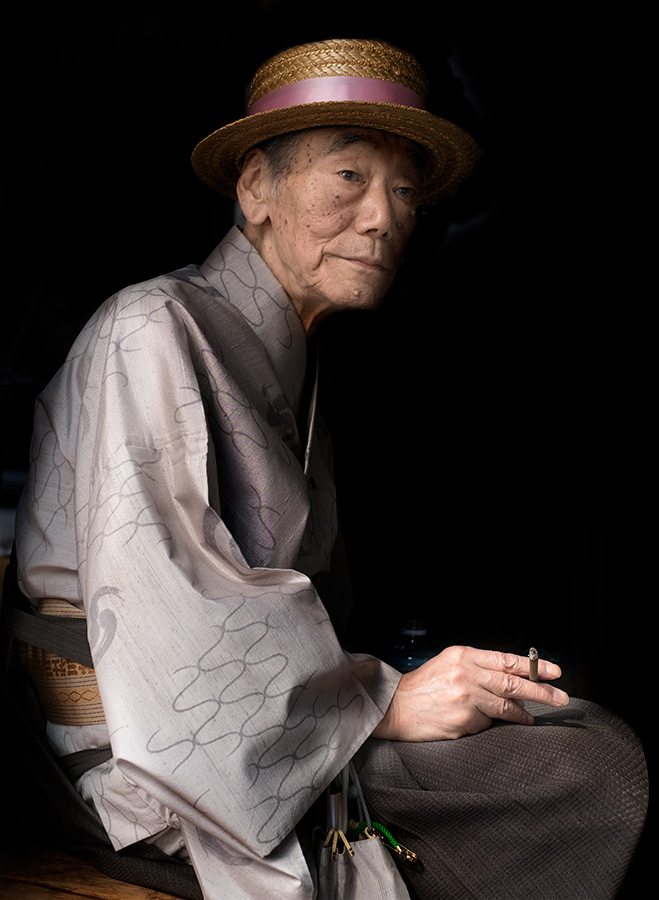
{"x": 181, "y": 499}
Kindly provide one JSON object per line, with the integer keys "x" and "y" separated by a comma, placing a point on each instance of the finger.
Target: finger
{"x": 516, "y": 665}
{"x": 507, "y": 710}
{"x": 515, "y": 687}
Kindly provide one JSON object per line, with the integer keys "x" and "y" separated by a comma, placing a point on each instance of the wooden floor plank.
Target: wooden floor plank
{"x": 37, "y": 874}
{"x": 17, "y": 890}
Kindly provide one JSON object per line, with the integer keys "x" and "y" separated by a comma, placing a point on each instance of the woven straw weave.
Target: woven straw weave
{"x": 366, "y": 59}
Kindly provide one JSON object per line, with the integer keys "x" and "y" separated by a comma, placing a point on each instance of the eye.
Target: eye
{"x": 348, "y": 175}
{"x": 408, "y": 193}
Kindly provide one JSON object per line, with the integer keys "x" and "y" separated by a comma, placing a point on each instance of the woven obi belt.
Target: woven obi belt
{"x": 67, "y": 690}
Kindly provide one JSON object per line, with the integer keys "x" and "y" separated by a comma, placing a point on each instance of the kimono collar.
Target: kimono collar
{"x": 237, "y": 271}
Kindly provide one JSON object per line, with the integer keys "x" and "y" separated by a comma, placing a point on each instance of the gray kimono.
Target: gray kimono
{"x": 181, "y": 494}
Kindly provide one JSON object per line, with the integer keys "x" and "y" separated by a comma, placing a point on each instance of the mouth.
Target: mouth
{"x": 367, "y": 263}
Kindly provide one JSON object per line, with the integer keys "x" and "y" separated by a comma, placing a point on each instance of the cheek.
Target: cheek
{"x": 327, "y": 216}
{"x": 326, "y": 211}
{"x": 301, "y": 247}
{"x": 318, "y": 219}
{"x": 404, "y": 228}
{"x": 318, "y": 234}
{"x": 406, "y": 222}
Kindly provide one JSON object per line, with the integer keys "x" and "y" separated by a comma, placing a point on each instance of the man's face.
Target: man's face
{"x": 338, "y": 223}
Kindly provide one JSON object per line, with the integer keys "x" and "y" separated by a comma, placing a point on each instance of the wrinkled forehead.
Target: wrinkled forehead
{"x": 344, "y": 137}
{"x": 333, "y": 140}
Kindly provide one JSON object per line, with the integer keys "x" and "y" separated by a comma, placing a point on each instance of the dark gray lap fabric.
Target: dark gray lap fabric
{"x": 548, "y": 812}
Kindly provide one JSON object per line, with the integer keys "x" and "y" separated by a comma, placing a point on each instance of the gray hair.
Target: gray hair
{"x": 280, "y": 152}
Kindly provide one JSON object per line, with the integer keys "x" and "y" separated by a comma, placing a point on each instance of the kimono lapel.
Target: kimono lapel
{"x": 238, "y": 273}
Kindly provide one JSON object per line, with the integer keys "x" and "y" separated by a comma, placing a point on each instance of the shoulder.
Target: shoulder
{"x": 158, "y": 308}
{"x": 176, "y": 291}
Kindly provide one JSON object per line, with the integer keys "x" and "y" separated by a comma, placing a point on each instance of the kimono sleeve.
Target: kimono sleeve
{"x": 227, "y": 695}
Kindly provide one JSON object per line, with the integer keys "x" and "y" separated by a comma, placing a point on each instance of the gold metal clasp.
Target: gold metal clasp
{"x": 332, "y": 841}
{"x": 407, "y": 855}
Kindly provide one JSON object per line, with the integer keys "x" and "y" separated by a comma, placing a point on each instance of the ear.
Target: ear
{"x": 252, "y": 188}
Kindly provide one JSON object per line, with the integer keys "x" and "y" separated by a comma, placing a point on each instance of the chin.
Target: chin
{"x": 364, "y": 303}
{"x": 359, "y": 296}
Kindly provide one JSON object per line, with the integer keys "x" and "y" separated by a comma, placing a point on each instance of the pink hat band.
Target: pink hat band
{"x": 336, "y": 88}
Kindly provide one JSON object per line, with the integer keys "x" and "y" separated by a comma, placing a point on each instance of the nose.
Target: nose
{"x": 375, "y": 214}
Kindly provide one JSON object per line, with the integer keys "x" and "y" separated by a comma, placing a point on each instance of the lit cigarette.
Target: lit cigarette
{"x": 533, "y": 664}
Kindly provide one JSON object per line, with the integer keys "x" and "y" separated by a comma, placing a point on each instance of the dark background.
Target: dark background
{"x": 491, "y": 419}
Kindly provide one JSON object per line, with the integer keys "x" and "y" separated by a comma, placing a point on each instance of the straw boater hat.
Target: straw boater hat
{"x": 339, "y": 82}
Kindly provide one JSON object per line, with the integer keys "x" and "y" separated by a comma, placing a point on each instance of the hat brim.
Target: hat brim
{"x": 452, "y": 152}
